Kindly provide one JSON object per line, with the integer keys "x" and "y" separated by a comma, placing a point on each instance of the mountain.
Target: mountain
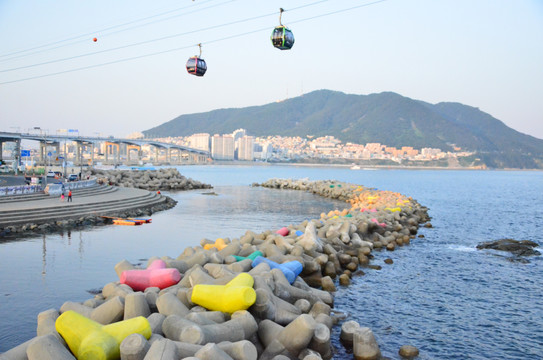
{"x": 386, "y": 118}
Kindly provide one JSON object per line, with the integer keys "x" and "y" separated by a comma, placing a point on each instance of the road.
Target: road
{"x": 11, "y": 180}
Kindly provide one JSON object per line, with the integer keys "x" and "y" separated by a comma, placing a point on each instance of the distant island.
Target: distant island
{"x": 386, "y": 118}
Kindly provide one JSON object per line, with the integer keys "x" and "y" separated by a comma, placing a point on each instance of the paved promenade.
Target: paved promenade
{"x": 99, "y": 200}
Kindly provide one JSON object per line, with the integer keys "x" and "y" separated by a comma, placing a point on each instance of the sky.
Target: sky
{"x": 484, "y": 53}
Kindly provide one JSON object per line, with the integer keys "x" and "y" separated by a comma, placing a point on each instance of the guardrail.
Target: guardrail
{"x": 57, "y": 189}
{"x": 19, "y": 189}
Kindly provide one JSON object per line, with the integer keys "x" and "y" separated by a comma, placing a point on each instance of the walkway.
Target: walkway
{"x": 99, "y": 200}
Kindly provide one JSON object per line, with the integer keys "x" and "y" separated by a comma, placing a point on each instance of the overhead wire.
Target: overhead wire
{"x": 156, "y": 39}
{"x": 105, "y": 31}
{"x": 190, "y": 46}
{"x": 139, "y": 43}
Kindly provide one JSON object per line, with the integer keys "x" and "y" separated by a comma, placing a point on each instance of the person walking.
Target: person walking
{"x": 62, "y": 197}
{"x": 69, "y": 195}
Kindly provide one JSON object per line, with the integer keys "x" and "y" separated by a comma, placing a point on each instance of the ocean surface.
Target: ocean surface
{"x": 440, "y": 294}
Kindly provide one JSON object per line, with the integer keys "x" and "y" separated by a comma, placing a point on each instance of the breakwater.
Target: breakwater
{"x": 374, "y": 219}
{"x": 152, "y": 180}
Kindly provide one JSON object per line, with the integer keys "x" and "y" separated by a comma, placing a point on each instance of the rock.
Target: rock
{"x": 344, "y": 280}
{"x": 365, "y": 346}
{"x": 347, "y": 331}
{"x": 515, "y": 247}
{"x": 328, "y": 284}
{"x": 408, "y": 351}
{"x": 162, "y": 179}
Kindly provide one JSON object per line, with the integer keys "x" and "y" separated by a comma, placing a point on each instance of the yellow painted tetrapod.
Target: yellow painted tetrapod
{"x": 88, "y": 339}
{"x": 238, "y": 294}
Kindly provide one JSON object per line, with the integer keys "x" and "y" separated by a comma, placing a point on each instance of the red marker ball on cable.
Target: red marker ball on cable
{"x": 95, "y": 39}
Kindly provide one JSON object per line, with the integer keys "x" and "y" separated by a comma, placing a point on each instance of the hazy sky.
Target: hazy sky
{"x": 482, "y": 53}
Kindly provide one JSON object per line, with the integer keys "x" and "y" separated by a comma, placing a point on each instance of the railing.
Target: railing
{"x": 57, "y": 189}
{"x": 19, "y": 189}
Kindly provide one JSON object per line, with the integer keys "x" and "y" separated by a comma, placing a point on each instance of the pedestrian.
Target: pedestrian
{"x": 69, "y": 195}
{"x": 62, "y": 197}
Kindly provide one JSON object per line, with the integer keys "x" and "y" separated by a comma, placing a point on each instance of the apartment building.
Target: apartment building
{"x": 222, "y": 147}
{"x": 245, "y": 146}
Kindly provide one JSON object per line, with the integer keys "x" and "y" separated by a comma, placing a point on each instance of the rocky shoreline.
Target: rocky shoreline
{"x": 152, "y": 180}
{"x": 290, "y": 316}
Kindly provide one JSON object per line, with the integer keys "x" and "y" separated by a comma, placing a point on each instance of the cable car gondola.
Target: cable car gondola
{"x": 196, "y": 65}
{"x": 281, "y": 37}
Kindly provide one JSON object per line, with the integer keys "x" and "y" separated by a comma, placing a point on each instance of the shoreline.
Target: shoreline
{"x": 345, "y": 248}
{"x": 362, "y": 167}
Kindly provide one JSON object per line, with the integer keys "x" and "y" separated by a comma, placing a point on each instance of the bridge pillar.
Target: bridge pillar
{"x": 114, "y": 148}
{"x": 156, "y": 154}
{"x": 43, "y": 151}
{"x": 1, "y": 149}
{"x": 77, "y": 159}
{"x": 65, "y": 153}
{"x": 129, "y": 148}
{"x": 17, "y": 155}
{"x": 178, "y": 151}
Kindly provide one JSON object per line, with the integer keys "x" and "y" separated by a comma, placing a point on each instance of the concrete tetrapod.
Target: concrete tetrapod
{"x": 156, "y": 275}
{"x": 238, "y": 294}
{"x": 252, "y": 256}
{"x": 291, "y": 269}
{"x": 47, "y": 347}
{"x": 219, "y": 245}
{"x": 242, "y": 326}
{"x": 89, "y": 340}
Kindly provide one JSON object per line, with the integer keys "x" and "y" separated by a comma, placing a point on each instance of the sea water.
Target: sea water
{"x": 440, "y": 294}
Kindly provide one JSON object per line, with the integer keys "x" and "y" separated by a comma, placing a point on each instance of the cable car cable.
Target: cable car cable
{"x": 138, "y": 43}
{"x": 184, "y": 47}
{"x": 122, "y": 30}
{"x": 154, "y": 40}
{"x": 103, "y": 31}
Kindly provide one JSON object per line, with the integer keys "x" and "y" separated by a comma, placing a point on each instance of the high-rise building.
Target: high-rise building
{"x": 222, "y": 147}
{"x": 246, "y": 148}
{"x": 200, "y": 141}
{"x": 238, "y": 134}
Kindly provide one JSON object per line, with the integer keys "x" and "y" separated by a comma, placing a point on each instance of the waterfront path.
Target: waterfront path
{"x": 99, "y": 200}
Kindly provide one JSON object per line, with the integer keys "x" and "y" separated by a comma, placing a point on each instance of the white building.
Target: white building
{"x": 200, "y": 141}
{"x": 263, "y": 149}
{"x": 238, "y": 134}
{"x": 222, "y": 147}
{"x": 245, "y": 146}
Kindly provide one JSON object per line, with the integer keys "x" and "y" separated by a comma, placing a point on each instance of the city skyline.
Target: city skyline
{"x": 484, "y": 54}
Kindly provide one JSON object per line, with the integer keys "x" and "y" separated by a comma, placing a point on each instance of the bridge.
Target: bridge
{"x": 111, "y": 150}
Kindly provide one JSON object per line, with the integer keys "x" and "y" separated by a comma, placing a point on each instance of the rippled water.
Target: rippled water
{"x": 440, "y": 294}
